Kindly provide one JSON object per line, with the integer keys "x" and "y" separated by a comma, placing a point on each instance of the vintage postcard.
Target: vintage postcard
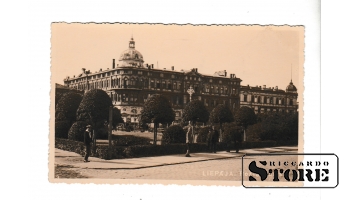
{"x": 177, "y": 104}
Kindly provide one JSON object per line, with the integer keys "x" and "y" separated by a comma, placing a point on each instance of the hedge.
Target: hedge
{"x": 134, "y": 151}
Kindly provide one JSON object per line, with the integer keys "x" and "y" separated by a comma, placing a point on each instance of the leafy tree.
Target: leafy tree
{"x": 195, "y": 111}
{"x": 67, "y": 107}
{"x": 157, "y": 109}
{"x": 174, "y": 134}
{"x": 245, "y": 116}
{"x": 94, "y": 108}
{"x": 65, "y": 114}
{"x": 276, "y": 126}
{"x": 221, "y": 114}
{"x": 117, "y": 117}
{"x": 232, "y": 133}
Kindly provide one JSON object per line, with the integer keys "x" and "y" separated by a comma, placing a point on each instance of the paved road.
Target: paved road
{"x": 223, "y": 169}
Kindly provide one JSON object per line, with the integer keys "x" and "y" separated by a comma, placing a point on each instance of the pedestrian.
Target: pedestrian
{"x": 214, "y": 139}
{"x": 189, "y": 138}
{"x": 87, "y": 142}
{"x": 209, "y": 139}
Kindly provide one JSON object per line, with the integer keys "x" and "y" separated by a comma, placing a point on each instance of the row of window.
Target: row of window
{"x": 266, "y": 100}
{"x": 162, "y": 75}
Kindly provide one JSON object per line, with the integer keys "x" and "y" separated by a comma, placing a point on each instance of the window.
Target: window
{"x": 152, "y": 83}
{"x": 169, "y": 86}
{"x": 174, "y": 86}
{"x": 259, "y": 99}
{"x": 161, "y": 75}
{"x": 158, "y": 85}
{"x": 164, "y": 85}
{"x": 139, "y": 72}
{"x": 290, "y": 102}
{"x": 245, "y": 98}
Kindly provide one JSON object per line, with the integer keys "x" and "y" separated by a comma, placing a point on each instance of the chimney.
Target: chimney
{"x": 100, "y": 69}
{"x": 276, "y": 87}
{"x": 107, "y": 68}
{"x": 172, "y": 68}
{"x": 152, "y": 65}
{"x": 113, "y": 65}
{"x": 264, "y": 86}
{"x": 225, "y": 73}
{"x": 83, "y": 70}
{"x": 164, "y": 68}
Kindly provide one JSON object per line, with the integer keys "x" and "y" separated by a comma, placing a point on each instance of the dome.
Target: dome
{"x": 291, "y": 87}
{"x": 131, "y": 57}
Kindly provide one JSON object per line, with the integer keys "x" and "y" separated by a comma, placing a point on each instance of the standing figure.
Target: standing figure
{"x": 214, "y": 139}
{"x": 189, "y": 139}
{"x": 209, "y": 139}
{"x": 87, "y": 142}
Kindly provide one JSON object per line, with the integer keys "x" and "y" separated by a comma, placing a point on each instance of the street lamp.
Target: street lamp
{"x": 190, "y": 91}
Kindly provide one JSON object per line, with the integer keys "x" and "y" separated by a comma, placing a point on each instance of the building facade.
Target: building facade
{"x": 265, "y": 100}
{"x": 131, "y": 82}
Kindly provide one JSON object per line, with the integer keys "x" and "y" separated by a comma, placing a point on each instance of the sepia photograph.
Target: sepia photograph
{"x": 155, "y": 103}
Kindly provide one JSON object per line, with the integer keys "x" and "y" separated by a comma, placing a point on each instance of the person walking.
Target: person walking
{"x": 87, "y": 142}
{"x": 189, "y": 138}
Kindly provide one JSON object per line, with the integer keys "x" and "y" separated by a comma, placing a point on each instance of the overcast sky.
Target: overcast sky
{"x": 258, "y": 55}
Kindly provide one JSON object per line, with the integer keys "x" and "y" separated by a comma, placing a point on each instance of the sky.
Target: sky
{"x": 259, "y": 55}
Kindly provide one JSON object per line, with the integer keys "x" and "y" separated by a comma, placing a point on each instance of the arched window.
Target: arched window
{"x": 125, "y": 82}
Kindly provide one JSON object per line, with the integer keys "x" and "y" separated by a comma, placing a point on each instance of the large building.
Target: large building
{"x": 264, "y": 100}
{"x": 131, "y": 82}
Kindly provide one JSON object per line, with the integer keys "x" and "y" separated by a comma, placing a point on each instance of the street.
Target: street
{"x": 217, "y": 168}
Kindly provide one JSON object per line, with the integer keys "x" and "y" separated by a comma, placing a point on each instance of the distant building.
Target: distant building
{"x": 131, "y": 82}
{"x": 264, "y": 100}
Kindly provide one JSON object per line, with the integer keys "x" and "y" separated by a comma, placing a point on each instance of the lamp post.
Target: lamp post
{"x": 190, "y": 91}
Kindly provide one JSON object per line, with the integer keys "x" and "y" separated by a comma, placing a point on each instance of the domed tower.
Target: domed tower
{"x": 291, "y": 87}
{"x": 131, "y": 57}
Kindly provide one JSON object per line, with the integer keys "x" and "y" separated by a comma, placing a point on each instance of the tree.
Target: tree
{"x": 117, "y": 117}
{"x": 157, "y": 109}
{"x": 232, "y": 132}
{"x": 65, "y": 114}
{"x": 67, "y": 107}
{"x": 94, "y": 109}
{"x": 221, "y": 114}
{"x": 195, "y": 111}
{"x": 244, "y": 117}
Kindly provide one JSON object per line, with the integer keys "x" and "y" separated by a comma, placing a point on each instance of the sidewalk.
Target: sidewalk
{"x": 75, "y": 160}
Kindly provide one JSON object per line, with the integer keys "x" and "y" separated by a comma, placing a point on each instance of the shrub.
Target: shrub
{"x": 76, "y": 132}
{"x": 174, "y": 134}
{"x": 203, "y": 134}
{"x": 61, "y": 129}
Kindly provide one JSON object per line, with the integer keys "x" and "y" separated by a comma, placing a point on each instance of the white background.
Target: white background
{"x": 25, "y": 81}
